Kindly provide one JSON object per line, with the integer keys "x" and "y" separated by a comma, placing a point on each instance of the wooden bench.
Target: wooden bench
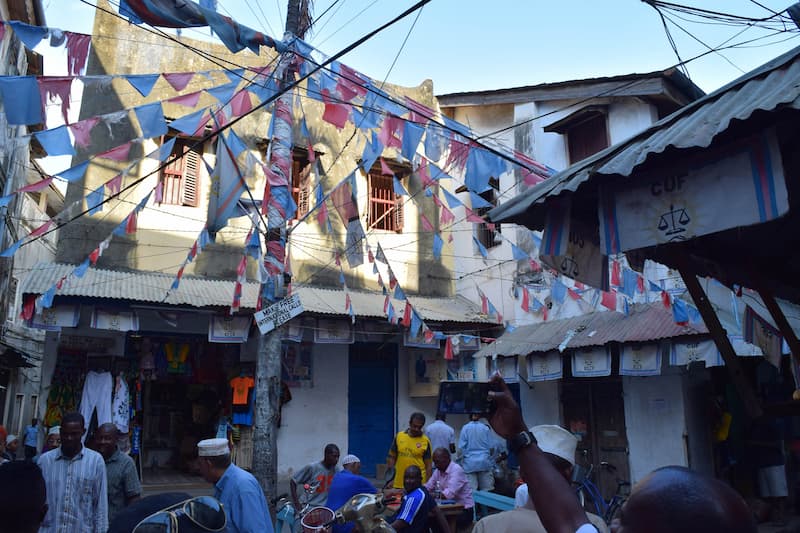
{"x": 491, "y": 500}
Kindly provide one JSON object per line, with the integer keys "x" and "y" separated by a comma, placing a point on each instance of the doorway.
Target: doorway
{"x": 594, "y": 411}
{"x": 372, "y": 392}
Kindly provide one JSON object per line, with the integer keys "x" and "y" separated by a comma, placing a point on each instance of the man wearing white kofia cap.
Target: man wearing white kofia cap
{"x": 238, "y": 491}
{"x": 345, "y": 485}
{"x": 558, "y": 445}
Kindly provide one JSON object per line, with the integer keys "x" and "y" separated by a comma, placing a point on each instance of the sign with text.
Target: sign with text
{"x": 277, "y": 314}
{"x": 740, "y": 185}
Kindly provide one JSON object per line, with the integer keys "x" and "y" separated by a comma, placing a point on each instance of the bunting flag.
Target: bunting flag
{"x": 227, "y": 184}
{"x": 556, "y": 228}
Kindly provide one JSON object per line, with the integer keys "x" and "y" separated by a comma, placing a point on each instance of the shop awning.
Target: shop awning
{"x": 152, "y": 287}
{"x": 645, "y": 323}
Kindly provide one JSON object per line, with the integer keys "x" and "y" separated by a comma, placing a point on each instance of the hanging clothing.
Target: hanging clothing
{"x": 241, "y": 386}
{"x": 243, "y": 414}
{"x": 121, "y": 408}
{"x": 96, "y": 395}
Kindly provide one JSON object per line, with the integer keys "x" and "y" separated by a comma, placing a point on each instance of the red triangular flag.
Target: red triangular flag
{"x": 407, "y": 315}
{"x": 385, "y": 170}
{"x": 666, "y": 300}
{"x": 609, "y": 300}
{"x": 615, "y": 279}
{"x": 526, "y": 300}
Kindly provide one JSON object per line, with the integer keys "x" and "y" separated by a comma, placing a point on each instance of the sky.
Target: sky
{"x": 472, "y": 45}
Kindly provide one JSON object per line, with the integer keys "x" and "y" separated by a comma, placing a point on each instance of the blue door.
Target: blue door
{"x": 371, "y": 399}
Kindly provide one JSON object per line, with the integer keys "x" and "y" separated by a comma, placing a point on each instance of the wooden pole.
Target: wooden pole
{"x": 719, "y": 335}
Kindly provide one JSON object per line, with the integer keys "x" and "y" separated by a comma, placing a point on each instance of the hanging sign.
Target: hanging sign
{"x": 742, "y": 185}
{"x": 278, "y": 313}
{"x": 580, "y": 258}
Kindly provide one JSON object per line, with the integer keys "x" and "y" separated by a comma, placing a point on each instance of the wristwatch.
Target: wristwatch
{"x": 523, "y": 439}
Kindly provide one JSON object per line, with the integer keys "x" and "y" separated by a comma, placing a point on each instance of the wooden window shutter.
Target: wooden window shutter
{"x": 191, "y": 177}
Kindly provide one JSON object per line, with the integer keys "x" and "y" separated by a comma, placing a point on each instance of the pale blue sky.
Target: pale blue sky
{"x": 466, "y": 45}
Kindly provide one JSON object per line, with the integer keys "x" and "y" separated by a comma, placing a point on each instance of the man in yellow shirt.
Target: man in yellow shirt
{"x": 410, "y": 447}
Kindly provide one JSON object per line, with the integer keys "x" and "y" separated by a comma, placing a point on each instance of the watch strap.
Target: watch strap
{"x": 523, "y": 439}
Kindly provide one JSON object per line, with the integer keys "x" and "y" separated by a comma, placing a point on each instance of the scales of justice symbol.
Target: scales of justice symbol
{"x": 672, "y": 223}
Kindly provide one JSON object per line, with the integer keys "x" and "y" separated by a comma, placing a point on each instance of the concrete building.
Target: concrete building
{"x": 353, "y": 384}
{"x": 22, "y": 347}
{"x": 557, "y": 124}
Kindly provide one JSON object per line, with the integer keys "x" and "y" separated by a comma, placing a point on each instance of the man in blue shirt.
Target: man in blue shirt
{"x": 477, "y": 448}
{"x": 345, "y": 485}
{"x": 239, "y": 492}
{"x": 31, "y": 439}
{"x": 418, "y": 510}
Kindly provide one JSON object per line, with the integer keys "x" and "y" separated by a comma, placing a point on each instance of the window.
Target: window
{"x": 385, "y": 206}
{"x": 180, "y": 178}
{"x": 487, "y": 233}
{"x": 585, "y": 130}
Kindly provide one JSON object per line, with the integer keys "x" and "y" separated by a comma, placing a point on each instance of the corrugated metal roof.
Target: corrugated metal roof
{"x": 773, "y": 85}
{"x": 646, "y": 322}
{"x": 151, "y": 287}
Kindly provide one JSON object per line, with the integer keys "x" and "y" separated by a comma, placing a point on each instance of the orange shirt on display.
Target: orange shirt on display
{"x": 241, "y": 386}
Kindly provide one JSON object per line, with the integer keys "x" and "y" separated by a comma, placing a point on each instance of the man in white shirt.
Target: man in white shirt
{"x": 440, "y": 434}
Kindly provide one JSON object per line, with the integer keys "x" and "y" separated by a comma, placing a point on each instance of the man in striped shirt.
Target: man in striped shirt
{"x": 75, "y": 477}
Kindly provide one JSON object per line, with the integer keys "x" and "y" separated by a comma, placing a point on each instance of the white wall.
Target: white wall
{"x": 541, "y": 403}
{"x": 655, "y": 422}
{"x": 315, "y": 416}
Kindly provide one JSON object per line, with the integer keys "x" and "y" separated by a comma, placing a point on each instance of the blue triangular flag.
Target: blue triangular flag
{"x": 188, "y": 124}
{"x": 558, "y": 291}
{"x": 456, "y": 126}
{"x": 412, "y": 135}
{"x": 223, "y": 93}
{"x": 74, "y": 173}
{"x": 253, "y": 247}
{"x": 163, "y": 152}
{"x": 680, "y": 311}
{"x": 629, "y": 282}
{"x": 30, "y": 35}
{"x": 437, "y": 173}
{"x": 55, "y": 141}
{"x": 204, "y": 239}
{"x": 482, "y": 165}
{"x": 11, "y": 250}
{"x": 151, "y": 120}
{"x": 398, "y": 188}
{"x": 481, "y": 248}
{"x": 46, "y": 299}
{"x": 5, "y": 200}
{"x": 21, "y": 100}
{"x": 94, "y": 200}
{"x": 142, "y": 82}
{"x": 235, "y": 75}
{"x": 236, "y": 145}
{"x": 452, "y": 199}
{"x": 478, "y": 202}
{"x": 694, "y": 314}
{"x": 398, "y": 293}
{"x": 416, "y": 324}
{"x": 654, "y": 287}
{"x": 81, "y": 269}
{"x": 372, "y": 150}
{"x": 437, "y": 246}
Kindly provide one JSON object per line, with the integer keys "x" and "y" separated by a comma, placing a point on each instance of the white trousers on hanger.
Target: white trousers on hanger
{"x": 96, "y": 395}
{"x": 121, "y": 407}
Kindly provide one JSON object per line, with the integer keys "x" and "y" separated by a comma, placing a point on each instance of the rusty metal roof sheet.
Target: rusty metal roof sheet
{"x": 774, "y": 85}
{"x": 646, "y": 322}
{"x": 152, "y": 287}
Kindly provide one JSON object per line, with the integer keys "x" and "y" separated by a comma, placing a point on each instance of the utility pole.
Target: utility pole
{"x": 268, "y": 363}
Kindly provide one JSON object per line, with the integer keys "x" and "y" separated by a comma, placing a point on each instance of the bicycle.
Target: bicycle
{"x": 285, "y": 509}
{"x": 592, "y": 499}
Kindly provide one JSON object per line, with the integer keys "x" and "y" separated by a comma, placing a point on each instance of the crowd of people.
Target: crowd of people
{"x": 70, "y": 487}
